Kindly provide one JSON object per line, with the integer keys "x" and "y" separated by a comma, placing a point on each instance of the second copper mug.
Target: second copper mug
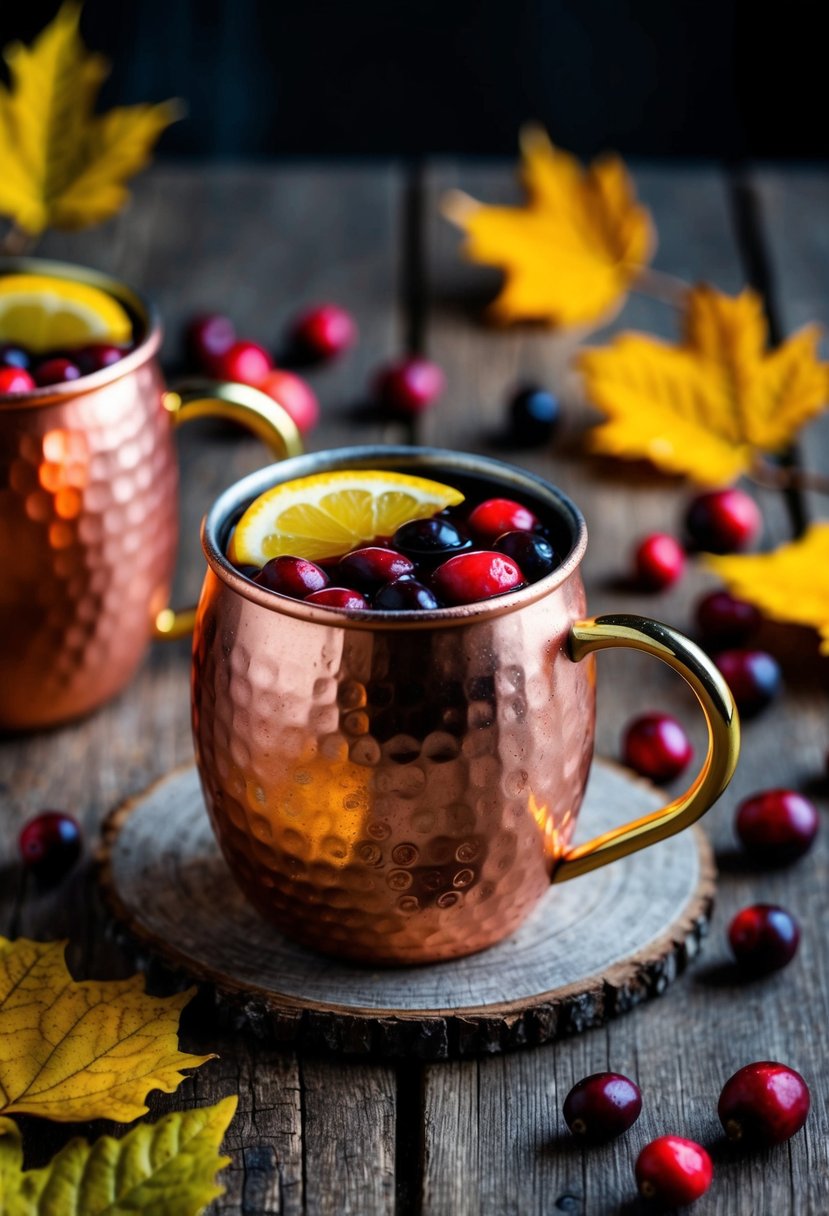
{"x": 403, "y": 787}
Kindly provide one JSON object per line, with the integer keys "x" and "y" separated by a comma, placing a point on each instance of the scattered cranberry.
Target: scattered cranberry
{"x": 209, "y": 337}
{"x": 656, "y": 746}
{"x": 15, "y": 380}
{"x": 659, "y": 561}
{"x": 367, "y": 569}
{"x": 777, "y": 826}
{"x": 56, "y": 371}
{"x": 50, "y": 844}
{"x": 495, "y": 516}
{"x": 763, "y": 938}
{"x": 244, "y": 362}
{"x": 753, "y": 677}
{"x": 726, "y": 621}
{"x": 323, "y": 332}
{"x": 410, "y": 386}
{"x": 437, "y": 537}
{"x": 723, "y": 521}
{"x": 406, "y": 595}
{"x": 337, "y": 597}
{"x": 534, "y": 554}
{"x": 533, "y": 415}
{"x": 14, "y": 356}
{"x": 764, "y": 1104}
{"x": 98, "y": 356}
{"x": 295, "y": 396}
{"x": 476, "y": 576}
{"x": 602, "y": 1106}
{"x": 292, "y": 576}
{"x": 673, "y": 1171}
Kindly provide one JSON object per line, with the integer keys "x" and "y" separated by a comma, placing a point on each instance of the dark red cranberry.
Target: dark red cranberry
{"x": 673, "y": 1171}
{"x": 14, "y": 356}
{"x": 295, "y": 396}
{"x": 470, "y": 577}
{"x": 244, "y": 362}
{"x": 602, "y": 1106}
{"x": 437, "y": 537}
{"x": 533, "y": 416}
{"x": 726, "y": 621}
{"x": 50, "y": 844}
{"x": 15, "y": 380}
{"x": 777, "y": 826}
{"x": 94, "y": 358}
{"x": 763, "y": 938}
{"x": 209, "y": 336}
{"x": 495, "y": 516}
{"x": 406, "y": 595}
{"x": 56, "y": 371}
{"x": 764, "y": 1104}
{"x": 753, "y": 676}
{"x": 659, "y": 561}
{"x": 323, "y": 332}
{"x": 534, "y": 554}
{"x": 656, "y": 746}
{"x": 370, "y": 567}
{"x": 723, "y": 521}
{"x": 337, "y": 597}
{"x": 292, "y": 576}
{"x": 410, "y": 386}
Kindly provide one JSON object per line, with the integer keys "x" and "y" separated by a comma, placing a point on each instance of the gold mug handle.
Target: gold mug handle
{"x": 240, "y": 403}
{"x": 717, "y": 704}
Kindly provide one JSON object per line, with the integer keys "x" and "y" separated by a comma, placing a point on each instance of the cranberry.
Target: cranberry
{"x": 777, "y": 826}
{"x": 763, "y": 938}
{"x": 725, "y": 620}
{"x": 534, "y": 554}
{"x": 98, "y": 356}
{"x": 15, "y": 380}
{"x": 659, "y": 561}
{"x": 337, "y": 597}
{"x": 410, "y": 386}
{"x": 753, "y": 677}
{"x": 244, "y": 362}
{"x": 292, "y": 576}
{"x": 295, "y": 397}
{"x": 323, "y": 332}
{"x": 50, "y": 844}
{"x": 209, "y": 336}
{"x": 470, "y": 577}
{"x": 56, "y": 371}
{"x": 723, "y": 521}
{"x": 368, "y": 568}
{"x": 673, "y": 1171}
{"x": 14, "y": 356}
{"x": 764, "y": 1104}
{"x": 437, "y": 537}
{"x": 406, "y": 595}
{"x": 656, "y": 746}
{"x": 533, "y": 415}
{"x": 495, "y": 516}
{"x": 602, "y": 1106}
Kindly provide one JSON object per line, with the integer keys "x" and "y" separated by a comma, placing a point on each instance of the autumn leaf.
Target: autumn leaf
{"x": 82, "y": 1050}
{"x": 166, "y": 1168}
{"x": 571, "y": 253}
{"x": 64, "y": 166}
{"x": 791, "y": 584}
{"x": 712, "y": 405}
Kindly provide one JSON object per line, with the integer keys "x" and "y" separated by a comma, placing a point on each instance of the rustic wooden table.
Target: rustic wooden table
{"x": 317, "y": 1135}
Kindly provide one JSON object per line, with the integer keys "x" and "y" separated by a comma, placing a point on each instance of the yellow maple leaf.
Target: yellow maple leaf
{"x": 569, "y": 255}
{"x": 82, "y": 1050}
{"x": 712, "y": 405}
{"x": 790, "y": 584}
{"x": 166, "y": 1168}
{"x": 62, "y": 165}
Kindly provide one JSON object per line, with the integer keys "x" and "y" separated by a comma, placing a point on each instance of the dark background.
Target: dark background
{"x": 699, "y": 78}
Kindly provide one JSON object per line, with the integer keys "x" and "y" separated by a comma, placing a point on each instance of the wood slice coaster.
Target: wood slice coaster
{"x": 594, "y": 947}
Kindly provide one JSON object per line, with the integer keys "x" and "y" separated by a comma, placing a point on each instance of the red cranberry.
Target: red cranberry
{"x": 368, "y": 568}
{"x": 15, "y": 380}
{"x": 98, "y": 356}
{"x": 534, "y": 554}
{"x": 753, "y": 676}
{"x": 602, "y": 1106}
{"x": 56, "y": 371}
{"x": 673, "y": 1171}
{"x": 295, "y": 397}
{"x": 244, "y": 362}
{"x": 14, "y": 356}
{"x": 726, "y": 621}
{"x": 777, "y": 826}
{"x": 292, "y": 576}
{"x": 410, "y": 386}
{"x": 50, "y": 844}
{"x": 406, "y": 595}
{"x": 723, "y": 521}
{"x": 324, "y": 332}
{"x": 656, "y": 746}
{"x": 209, "y": 336}
{"x": 495, "y": 516}
{"x": 763, "y": 938}
{"x": 337, "y": 597}
{"x": 659, "y": 561}
{"x": 764, "y": 1104}
{"x": 437, "y": 537}
{"x": 470, "y": 577}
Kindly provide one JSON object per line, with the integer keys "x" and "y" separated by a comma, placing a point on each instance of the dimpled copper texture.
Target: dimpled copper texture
{"x": 393, "y": 788}
{"x": 88, "y": 487}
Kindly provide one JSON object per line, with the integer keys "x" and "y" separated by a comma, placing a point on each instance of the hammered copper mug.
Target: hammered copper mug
{"x": 88, "y": 517}
{"x": 403, "y": 787}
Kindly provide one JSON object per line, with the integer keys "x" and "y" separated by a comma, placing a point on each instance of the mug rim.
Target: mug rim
{"x": 232, "y": 500}
{"x": 145, "y": 311}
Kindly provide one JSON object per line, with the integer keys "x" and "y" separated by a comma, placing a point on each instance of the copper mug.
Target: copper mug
{"x": 88, "y": 517}
{"x": 403, "y": 787}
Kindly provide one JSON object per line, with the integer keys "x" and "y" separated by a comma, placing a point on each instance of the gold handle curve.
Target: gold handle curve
{"x": 714, "y": 696}
{"x": 250, "y": 407}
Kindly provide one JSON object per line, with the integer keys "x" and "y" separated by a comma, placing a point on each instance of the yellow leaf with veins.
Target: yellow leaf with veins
{"x": 711, "y": 405}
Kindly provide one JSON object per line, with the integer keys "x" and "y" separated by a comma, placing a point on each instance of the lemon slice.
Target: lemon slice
{"x": 44, "y": 313}
{"x": 327, "y": 514}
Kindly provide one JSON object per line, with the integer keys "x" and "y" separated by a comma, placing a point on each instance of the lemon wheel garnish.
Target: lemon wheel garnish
{"x": 329, "y": 513}
{"x": 44, "y": 313}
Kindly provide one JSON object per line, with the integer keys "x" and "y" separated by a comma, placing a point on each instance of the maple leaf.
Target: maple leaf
{"x": 82, "y": 1050}
{"x": 166, "y": 1168}
{"x": 712, "y": 405}
{"x": 64, "y": 166}
{"x": 571, "y": 253}
{"x": 790, "y": 584}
